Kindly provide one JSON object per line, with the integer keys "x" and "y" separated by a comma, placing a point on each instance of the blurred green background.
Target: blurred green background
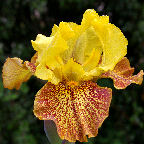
{"x": 22, "y": 20}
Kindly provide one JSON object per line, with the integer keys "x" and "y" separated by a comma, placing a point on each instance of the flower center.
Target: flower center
{"x": 72, "y": 84}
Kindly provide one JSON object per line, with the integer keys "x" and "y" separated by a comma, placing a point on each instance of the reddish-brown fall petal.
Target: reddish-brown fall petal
{"x": 122, "y": 75}
{"x": 77, "y": 111}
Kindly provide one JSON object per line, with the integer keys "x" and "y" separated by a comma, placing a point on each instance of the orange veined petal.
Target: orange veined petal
{"x": 15, "y": 72}
{"x": 122, "y": 75}
{"x": 77, "y": 111}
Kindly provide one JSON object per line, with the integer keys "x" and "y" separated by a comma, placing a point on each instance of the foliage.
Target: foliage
{"x": 21, "y": 21}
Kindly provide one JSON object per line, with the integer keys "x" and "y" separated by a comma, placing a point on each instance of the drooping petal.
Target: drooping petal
{"x": 15, "y": 73}
{"x": 122, "y": 75}
{"x": 77, "y": 111}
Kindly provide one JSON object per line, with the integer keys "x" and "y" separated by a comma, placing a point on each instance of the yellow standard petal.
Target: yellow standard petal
{"x": 66, "y": 30}
{"x": 86, "y": 44}
{"x": 88, "y": 17}
{"x": 41, "y": 42}
{"x": 115, "y": 47}
{"x": 52, "y": 55}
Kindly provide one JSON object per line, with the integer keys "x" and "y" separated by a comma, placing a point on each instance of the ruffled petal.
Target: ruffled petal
{"x": 66, "y": 30}
{"x": 122, "y": 75}
{"x": 41, "y": 42}
{"x": 15, "y": 73}
{"x": 77, "y": 111}
{"x": 52, "y": 55}
{"x": 88, "y": 17}
{"x": 115, "y": 46}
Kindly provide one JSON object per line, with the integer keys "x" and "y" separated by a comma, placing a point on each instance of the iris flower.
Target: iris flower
{"x": 70, "y": 59}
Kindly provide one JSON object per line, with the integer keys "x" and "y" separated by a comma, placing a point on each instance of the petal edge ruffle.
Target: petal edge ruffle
{"x": 122, "y": 75}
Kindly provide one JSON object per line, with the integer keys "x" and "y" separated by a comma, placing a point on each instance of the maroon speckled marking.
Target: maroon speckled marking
{"x": 77, "y": 111}
{"x": 31, "y": 66}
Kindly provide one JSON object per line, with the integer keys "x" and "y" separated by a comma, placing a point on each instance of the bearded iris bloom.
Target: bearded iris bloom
{"x": 70, "y": 59}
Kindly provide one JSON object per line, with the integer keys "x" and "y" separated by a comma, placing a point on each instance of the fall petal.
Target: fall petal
{"x": 77, "y": 111}
{"x": 51, "y": 133}
{"x": 122, "y": 75}
{"x": 15, "y": 73}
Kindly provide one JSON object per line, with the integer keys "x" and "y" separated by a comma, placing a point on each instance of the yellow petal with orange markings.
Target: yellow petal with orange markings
{"x": 14, "y": 73}
{"x": 30, "y": 66}
{"x": 122, "y": 75}
{"x": 44, "y": 73}
{"x": 77, "y": 111}
{"x": 123, "y": 68}
{"x": 72, "y": 71}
